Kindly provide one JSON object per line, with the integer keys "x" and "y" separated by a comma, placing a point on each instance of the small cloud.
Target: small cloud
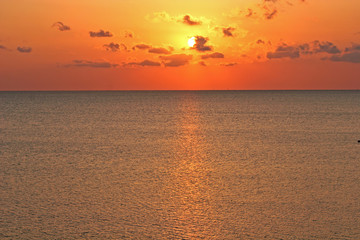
{"x": 228, "y": 64}
{"x": 271, "y": 14}
{"x": 115, "y": 47}
{"x": 260, "y": 41}
{"x": 141, "y": 46}
{"x": 159, "y": 51}
{"x": 3, "y": 47}
{"x": 144, "y": 63}
{"x": 160, "y": 17}
{"x": 83, "y": 63}
{"x": 228, "y": 32}
{"x": 202, "y": 63}
{"x": 100, "y": 33}
{"x": 129, "y": 34}
{"x": 213, "y": 55}
{"x": 24, "y": 49}
{"x": 61, "y": 27}
{"x": 187, "y": 20}
{"x": 200, "y": 44}
{"x": 250, "y": 13}
{"x": 176, "y": 60}
{"x": 284, "y": 51}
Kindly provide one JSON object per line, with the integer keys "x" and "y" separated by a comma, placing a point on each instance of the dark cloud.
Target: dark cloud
{"x": 61, "y": 27}
{"x": 100, "y": 33}
{"x": 176, "y": 60}
{"x": 83, "y": 63}
{"x": 354, "y": 47}
{"x": 228, "y": 32}
{"x": 213, "y": 55}
{"x": 352, "y": 57}
{"x": 141, "y": 46}
{"x": 24, "y": 49}
{"x": 3, "y": 47}
{"x": 351, "y": 54}
{"x": 260, "y": 41}
{"x": 271, "y": 14}
{"x": 187, "y": 20}
{"x": 144, "y": 63}
{"x": 328, "y": 47}
{"x": 115, "y": 47}
{"x": 159, "y": 51}
{"x": 200, "y": 44}
{"x": 284, "y": 51}
{"x": 228, "y": 64}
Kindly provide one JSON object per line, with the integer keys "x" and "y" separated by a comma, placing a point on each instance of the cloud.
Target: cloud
{"x": 351, "y": 54}
{"x": 260, "y": 41}
{"x": 61, "y": 27}
{"x": 3, "y": 47}
{"x": 187, "y": 20}
{"x": 213, "y": 55}
{"x": 284, "y": 51}
{"x": 228, "y": 64}
{"x": 129, "y": 34}
{"x": 144, "y": 63}
{"x": 228, "y": 32}
{"x": 271, "y": 14}
{"x": 159, "y": 51}
{"x": 354, "y": 47}
{"x": 141, "y": 46}
{"x": 84, "y": 63}
{"x": 202, "y": 63}
{"x": 159, "y": 17}
{"x": 250, "y": 13}
{"x": 295, "y": 51}
{"x": 100, "y": 33}
{"x": 352, "y": 57}
{"x": 24, "y": 49}
{"x": 327, "y": 47}
{"x": 200, "y": 44}
{"x": 176, "y": 60}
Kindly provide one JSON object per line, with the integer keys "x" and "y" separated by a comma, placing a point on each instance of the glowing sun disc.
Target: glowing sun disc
{"x": 191, "y": 42}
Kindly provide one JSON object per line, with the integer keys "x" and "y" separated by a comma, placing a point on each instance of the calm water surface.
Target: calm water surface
{"x": 180, "y": 165}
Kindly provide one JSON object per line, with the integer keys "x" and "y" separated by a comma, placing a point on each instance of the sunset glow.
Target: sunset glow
{"x": 144, "y": 45}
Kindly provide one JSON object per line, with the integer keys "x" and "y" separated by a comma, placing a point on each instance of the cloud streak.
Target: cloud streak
{"x": 91, "y": 64}
{"x": 228, "y": 32}
{"x": 144, "y": 63}
{"x": 187, "y": 20}
{"x": 213, "y": 55}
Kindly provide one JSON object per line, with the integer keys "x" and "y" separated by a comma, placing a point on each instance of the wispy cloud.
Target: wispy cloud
{"x": 61, "y": 26}
{"x": 91, "y": 64}
{"x": 115, "y": 47}
{"x": 141, "y": 46}
{"x": 100, "y": 33}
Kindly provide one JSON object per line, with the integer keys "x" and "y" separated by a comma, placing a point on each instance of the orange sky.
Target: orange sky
{"x": 143, "y": 45}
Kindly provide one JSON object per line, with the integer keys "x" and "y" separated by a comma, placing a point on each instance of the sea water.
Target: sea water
{"x": 180, "y": 165}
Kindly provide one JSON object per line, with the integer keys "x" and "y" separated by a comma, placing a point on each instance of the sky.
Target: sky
{"x": 179, "y": 45}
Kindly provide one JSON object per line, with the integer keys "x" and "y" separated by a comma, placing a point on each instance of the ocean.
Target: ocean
{"x": 180, "y": 165}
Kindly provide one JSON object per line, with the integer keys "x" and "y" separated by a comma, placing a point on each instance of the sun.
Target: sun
{"x": 191, "y": 42}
